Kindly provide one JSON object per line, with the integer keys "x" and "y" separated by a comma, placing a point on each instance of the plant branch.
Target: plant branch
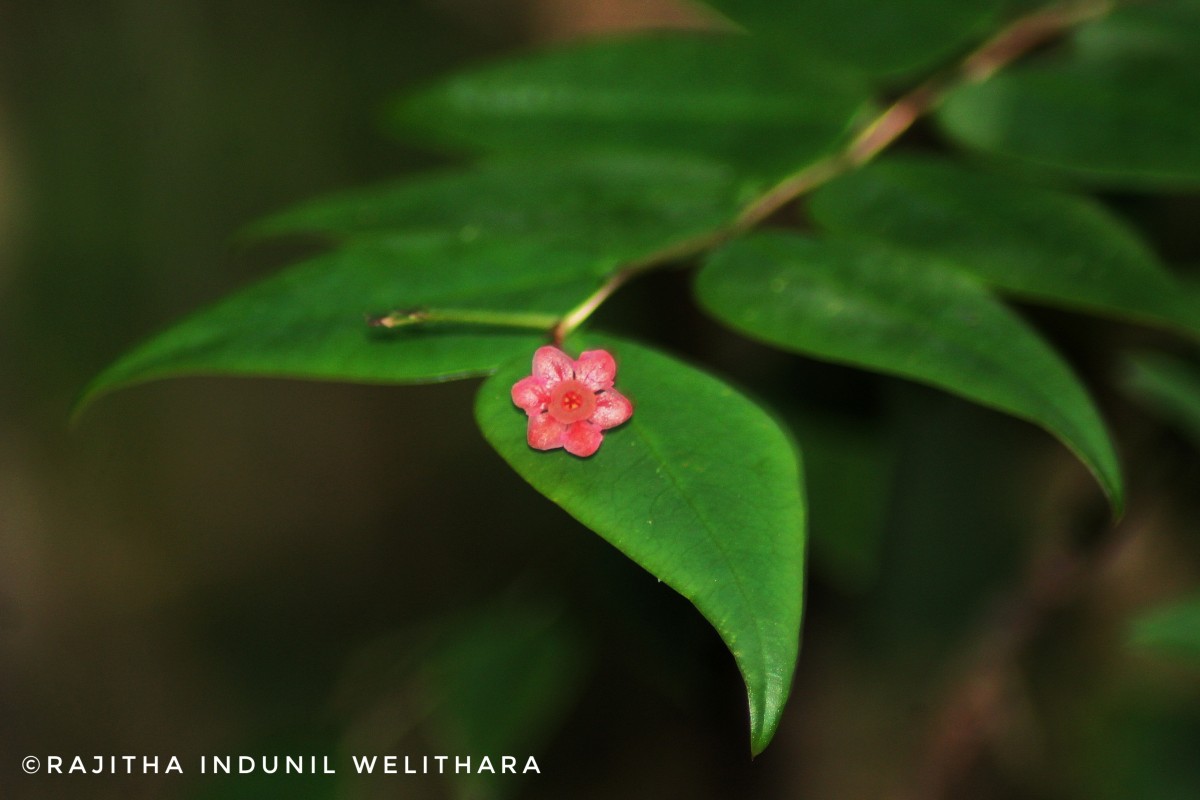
{"x": 577, "y": 315}
{"x": 1010, "y": 43}
{"x": 688, "y": 247}
{"x": 468, "y": 316}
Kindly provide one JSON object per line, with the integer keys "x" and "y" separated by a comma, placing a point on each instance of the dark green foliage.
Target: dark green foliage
{"x": 608, "y": 158}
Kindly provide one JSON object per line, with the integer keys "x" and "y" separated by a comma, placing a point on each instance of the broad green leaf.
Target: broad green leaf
{"x": 512, "y": 237}
{"x": 1171, "y": 630}
{"x": 1169, "y": 385}
{"x": 309, "y": 321}
{"x": 702, "y": 489}
{"x": 1118, "y": 110}
{"x": 717, "y": 95}
{"x": 1037, "y": 243}
{"x": 622, "y": 206}
{"x": 874, "y": 36}
{"x": 898, "y": 313}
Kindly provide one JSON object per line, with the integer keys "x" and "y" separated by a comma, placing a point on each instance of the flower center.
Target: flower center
{"x": 571, "y": 401}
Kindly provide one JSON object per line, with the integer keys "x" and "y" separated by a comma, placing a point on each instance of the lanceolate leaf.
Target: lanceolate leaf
{"x": 873, "y": 36}
{"x": 1037, "y": 243}
{"x": 1172, "y": 630}
{"x": 623, "y": 206}
{"x": 310, "y": 320}
{"x": 512, "y": 237}
{"x": 718, "y": 95}
{"x": 1119, "y": 109}
{"x": 700, "y": 487}
{"x": 890, "y": 311}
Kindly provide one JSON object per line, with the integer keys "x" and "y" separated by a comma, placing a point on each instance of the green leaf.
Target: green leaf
{"x": 511, "y": 237}
{"x": 1037, "y": 243}
{"x": 874, "y": 36}
{"x": 716, "y": 95}
{"x": 702, "y": 489}
{"x": 893, "y": 312}
{"x": 1170, "y": 386}
{"x": 622, "y": 206}
{"x": 1118, "y": 110}
{"x": 1172, "y": 630}
{"x": 309, "y": 320}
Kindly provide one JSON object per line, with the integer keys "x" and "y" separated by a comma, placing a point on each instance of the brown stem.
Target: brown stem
{"x": 1010, "y": 43}
{"x": 576, "y": 316}
{"x": 1006, "y": 46}
{"x": 689, "y": 247}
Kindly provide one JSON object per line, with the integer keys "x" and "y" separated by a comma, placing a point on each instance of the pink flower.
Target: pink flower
{"x": 570, "y": 402}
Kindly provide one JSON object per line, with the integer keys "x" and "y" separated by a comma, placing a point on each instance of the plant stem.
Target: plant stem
{"x": 576, "y": 316}
{"x": 468, "y": 316}
{"x": 1010, "y": 43}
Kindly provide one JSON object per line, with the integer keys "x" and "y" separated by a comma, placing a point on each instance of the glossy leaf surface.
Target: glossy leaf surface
{"x": 1118, "y": 108}
{"x": 701, "y": 488}
{"x": 513, "y": 237}
{"x": 621, "y": 206}
{"x": 717, "y": 95}
{"x": 893, "y": 312}
{"x": 1037, "y": 243}
{"x": 310, "y": 320}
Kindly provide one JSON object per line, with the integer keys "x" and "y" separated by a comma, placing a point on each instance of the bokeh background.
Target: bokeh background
{"x": 212, "y": 566}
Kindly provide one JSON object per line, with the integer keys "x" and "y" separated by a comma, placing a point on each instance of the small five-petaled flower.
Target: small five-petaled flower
{"x": 569, "y": 402}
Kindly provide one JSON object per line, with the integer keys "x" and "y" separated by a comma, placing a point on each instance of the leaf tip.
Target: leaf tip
{"x": 1113, "y": 485}
{"x": 766, "y": 710}
{"x": 91, "y": 392}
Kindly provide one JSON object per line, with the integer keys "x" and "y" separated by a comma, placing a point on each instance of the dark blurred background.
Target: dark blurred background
{"x": 210, "y": 566}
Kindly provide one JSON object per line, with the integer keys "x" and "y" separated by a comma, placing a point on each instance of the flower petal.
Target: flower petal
{"x": 531, "y": 394}
{"x": 545, "y": 432}
{"x": 582, "y": 438}
{"x": 612, "y": 408}
{"x": 596, "y": 369}
{"x": 553, "y": 365}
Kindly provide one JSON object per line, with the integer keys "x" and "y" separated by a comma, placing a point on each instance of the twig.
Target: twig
{"x": 1009, "y": 44}
{"x": 1020, "y": 37}
{"x": 1025, "y": 34}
